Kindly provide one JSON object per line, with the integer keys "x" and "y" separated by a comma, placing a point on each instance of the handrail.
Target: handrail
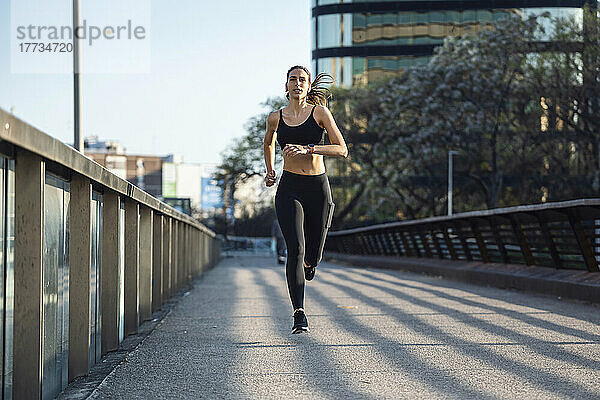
{"x": 23, "y": 135}
{"x": 556, "y": 234}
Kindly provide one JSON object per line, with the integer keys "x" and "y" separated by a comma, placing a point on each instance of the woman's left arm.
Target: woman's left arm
{"x": 338, "y": 147}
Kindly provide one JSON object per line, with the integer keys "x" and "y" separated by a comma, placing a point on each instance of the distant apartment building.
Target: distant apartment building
{"x": 185, "y": 186}
{"x": 358, "y": 42}
{"x": 144, "y": 171}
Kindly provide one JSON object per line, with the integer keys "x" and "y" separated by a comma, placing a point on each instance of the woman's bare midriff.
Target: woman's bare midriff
{"x": 304, "y": 164}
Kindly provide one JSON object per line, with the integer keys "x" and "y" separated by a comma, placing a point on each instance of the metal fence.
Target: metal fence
{"x": 559, "y": 235}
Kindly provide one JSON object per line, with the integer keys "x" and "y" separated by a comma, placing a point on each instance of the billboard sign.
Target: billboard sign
{"x": 212, "y": 194}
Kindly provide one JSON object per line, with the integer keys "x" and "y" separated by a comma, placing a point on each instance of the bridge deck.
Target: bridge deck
{"x": 374, "y": 334}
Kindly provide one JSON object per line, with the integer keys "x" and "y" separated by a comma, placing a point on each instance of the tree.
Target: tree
{"x": 568, "y": 81}
{"x": 466, "y": 99}
{"x": 245, "y": 158}
{"x": 353, "y": 109}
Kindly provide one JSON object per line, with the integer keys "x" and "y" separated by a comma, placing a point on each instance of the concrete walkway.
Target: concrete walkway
{"x": 375, "y": 334}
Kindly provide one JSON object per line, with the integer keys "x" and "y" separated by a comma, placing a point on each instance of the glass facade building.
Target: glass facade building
{"x": 361, "y": 41}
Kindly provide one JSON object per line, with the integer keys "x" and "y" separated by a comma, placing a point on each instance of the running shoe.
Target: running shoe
{"x": 309, "y": 273}
{"x": 300, "y": 322}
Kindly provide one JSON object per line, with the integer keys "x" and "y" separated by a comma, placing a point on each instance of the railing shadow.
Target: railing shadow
{"x": 397, "y": 355}
{"x": 542, "y": 379}
{"x": 321, "y": 372}
{"x": 492, "y": 293}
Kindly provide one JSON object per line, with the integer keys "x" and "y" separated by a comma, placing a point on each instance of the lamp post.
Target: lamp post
{"x": 450, "y": 154}
{"x": 77, "y": 139}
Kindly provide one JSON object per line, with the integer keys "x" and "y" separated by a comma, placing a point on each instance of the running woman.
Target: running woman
{"x": 303, "y": 201}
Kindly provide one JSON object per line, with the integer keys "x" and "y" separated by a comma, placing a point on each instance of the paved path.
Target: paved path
{"x": 375, "y": 334}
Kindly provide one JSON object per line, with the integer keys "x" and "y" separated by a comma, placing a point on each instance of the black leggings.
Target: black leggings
{"x": 304, "y": 209}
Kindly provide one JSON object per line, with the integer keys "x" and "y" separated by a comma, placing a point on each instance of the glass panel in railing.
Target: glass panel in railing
{"x": 93, "y": 285}
{"x": 2, "y": 257}
{"x": 64, "y": 287}
{"x": 10, "y": 275}
{"x": 53, "y": 209}
{"x": 98, "y": 198}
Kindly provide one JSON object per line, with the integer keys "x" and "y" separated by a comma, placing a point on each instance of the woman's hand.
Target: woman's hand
{"x": 292, "y": 150}
{"x": 270, "y": 178}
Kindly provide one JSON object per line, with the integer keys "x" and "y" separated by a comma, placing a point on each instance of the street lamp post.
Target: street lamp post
{"x": 450, "y": 154}
{"x": 77, "y": 139}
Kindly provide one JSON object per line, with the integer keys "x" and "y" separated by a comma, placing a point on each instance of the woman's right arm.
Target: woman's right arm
{"x": 269, "y": 148}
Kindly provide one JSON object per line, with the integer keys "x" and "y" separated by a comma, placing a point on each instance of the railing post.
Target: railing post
{"x": 436, "y": 242}
{"x": 584, "y": 243}
{"x": 207, "y": 249}
{"x": 449, "y": 243}
{"x": 110, "y": 271}
{"x": 363, "y": 247}
{"x": 523, "y": 243}
{"x": 483, "y": 251}
{"x": 180, "y": 255}
{"x": 145, "y": 263}
{"x": 183, "y": 258}
{"x": 196, "y": 251}
{"x": 174, "y": 257}
{"x": 29, "y": 217}
{"x": 368, "y": 239}
{"x": 188, "y": 253}
{"x": 381, "y": 240}
{"x": 80, "y": 255}
{"x": 193, "y": 252}
{"x": 423, "y": 235}
{"x": 132, "y": 267}
{"x": 407, "y": 248}
{"x": 499, "y": 242}
{"x": 202, "y": 250}
{"x": 411, "y": 234}
{"x": 167, "y": 264}
{"x": 463, "y": 241}
{"x": 549, "y": 242}
{"x": 157, "y": 261}
{"x": 392, "y": 242}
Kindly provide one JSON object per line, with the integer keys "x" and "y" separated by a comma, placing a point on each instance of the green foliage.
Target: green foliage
{"x": 244, "y": 158}
{"x": 481, "y": 95}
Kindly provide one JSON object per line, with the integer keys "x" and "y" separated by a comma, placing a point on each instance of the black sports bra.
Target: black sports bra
{"x": 306, "y": 133}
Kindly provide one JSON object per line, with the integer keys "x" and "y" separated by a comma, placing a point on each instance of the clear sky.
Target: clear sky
{"x": 212, "y": 64}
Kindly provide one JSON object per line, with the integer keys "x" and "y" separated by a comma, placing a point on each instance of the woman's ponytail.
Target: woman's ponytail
{"x": 319, "y": 94}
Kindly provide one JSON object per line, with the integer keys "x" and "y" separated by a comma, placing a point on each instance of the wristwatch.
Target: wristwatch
{"x": 311, "y": 148}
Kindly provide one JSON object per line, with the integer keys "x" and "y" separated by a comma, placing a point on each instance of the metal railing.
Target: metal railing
{"x": 559, "y": 235}
{"x": 85, "y": 258}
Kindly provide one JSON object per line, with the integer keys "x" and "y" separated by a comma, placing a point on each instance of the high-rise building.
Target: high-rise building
{"x": 362, "y": 41}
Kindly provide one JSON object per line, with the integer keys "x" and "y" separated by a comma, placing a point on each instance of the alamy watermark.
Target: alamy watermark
{"x": 112, "y": 37}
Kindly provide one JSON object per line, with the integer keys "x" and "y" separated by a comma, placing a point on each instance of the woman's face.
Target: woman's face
{"x": 298, "y": 84}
